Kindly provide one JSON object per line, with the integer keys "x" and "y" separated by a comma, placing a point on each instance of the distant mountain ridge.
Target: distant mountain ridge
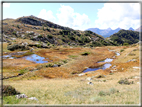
{"x": 106, "y": 32}
{"x": 139, "y": 29}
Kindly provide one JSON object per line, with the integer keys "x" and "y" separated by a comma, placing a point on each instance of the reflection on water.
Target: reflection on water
{"x": 7, "y": 57}
{"x": 91, "y": 69}
{"x": 105, "y": 66}
{"x": 117, "y": 53}
{"x": 35, "y": 58}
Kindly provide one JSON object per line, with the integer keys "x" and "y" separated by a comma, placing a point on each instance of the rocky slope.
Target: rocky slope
{"x": 47, "y": 33}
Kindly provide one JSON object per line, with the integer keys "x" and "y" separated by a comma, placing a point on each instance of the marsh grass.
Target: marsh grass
{"x": 25, "y": 54}
{"x": 59, "y": 85}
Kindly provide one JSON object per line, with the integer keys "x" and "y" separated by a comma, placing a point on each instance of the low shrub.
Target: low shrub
{"x": 103, "y": 93}
{"x": 17, "y": 46}
{"x": 121, "y": 50}
{"x": 49, "y": 36}
{"x": 86, "y": 53}
{"x": 65, "y": 61}
{"x": 12, "y": 47}
{"x": 125, "y": 81}
{"x": 108, "y": 92}
{"x": 132, "y": 54}
{"x": 8, "y": 90}
{"x": 125, "y": 44}
{"x": 73, "y": 56}
{"x": 23, "y": 71}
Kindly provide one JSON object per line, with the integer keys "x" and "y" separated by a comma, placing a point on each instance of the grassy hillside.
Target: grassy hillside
{"x": 50, "y": 34}
{"x": 125, "y": 37}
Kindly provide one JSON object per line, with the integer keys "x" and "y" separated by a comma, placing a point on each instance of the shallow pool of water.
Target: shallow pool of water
{"x": 117, "y": 53}
{"x": 105, "y": 66}
{"x": 35, "y": 58}
{"x": 107, "y": 60}
{"x": 91, "y": 69}
{"x": 7, "y": 57}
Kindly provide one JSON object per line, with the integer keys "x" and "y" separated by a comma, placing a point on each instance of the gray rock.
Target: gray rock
{"x": 131, "y": 60}
{"x": 90, "y": 83}
{"x": 33, "y": 98}
{"x": 31, "y": 50}
{"x": 81, "y": 74}
{"x": 55, "y": 65}
{"x": 21, "y": 96}
{"x": 89, "y": 78}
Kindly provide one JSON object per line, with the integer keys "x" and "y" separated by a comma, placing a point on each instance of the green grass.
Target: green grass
{"x": 73, "y": 56}
{"x": 121, "y": 50}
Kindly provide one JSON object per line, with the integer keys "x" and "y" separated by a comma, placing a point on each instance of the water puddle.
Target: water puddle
{"x": 107, "y": 60}
{"x": 7, "y": 57}
{"x": 117, "y": 53}
{"x": 35, "y": 58}
{"x": 91, "y": 69}
{"x": 105, "y": 66}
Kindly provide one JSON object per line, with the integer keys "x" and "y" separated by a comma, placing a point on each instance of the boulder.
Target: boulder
{"x": 90, "y": 83}
{"x": 21, "y": 96}
{"x": 33, "y": 98}
{"x": 55, "y": 65}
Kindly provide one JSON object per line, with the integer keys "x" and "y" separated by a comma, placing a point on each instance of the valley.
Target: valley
{"x": 48, "y": 61}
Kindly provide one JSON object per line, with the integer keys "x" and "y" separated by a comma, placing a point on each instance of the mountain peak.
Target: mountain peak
{"x": 109, "y": 28}
{"x": 131, "y": 29}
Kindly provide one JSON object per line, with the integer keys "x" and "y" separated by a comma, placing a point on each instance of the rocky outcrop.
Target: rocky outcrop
{"x": 32, "y": 20}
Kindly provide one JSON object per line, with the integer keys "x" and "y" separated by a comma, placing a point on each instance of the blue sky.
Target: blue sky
{"x": 79, "y": 16}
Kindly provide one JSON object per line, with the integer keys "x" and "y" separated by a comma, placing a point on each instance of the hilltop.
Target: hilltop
{"x": 124, "y": 37}
{"x": 48, "y": 34}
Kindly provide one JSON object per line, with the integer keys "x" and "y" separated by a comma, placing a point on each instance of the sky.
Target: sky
{"x": 79, "y": 16}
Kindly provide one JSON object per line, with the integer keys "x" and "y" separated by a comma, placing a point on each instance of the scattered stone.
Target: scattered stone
{"x": 132, "y": 60}
{"x": 55, "y": 65}
{"x": 89, "y": 78}
{"x": 136, "y": 67}
{"x": 113, "y": 70}
{"x": 33, "y": 98}
{"x": 138, "y": 82}
{"x": 31, "y": 50}
{"x": 114, "y": 66}
{"x": 113, "y": 57}
{"x": 21, "y": 96}
{"x": 81, "y": 74}
{"x": 125, "y": 81}
{"x": 136, "y": 77}
{"x": 90, "y": 83}
{"x": 13, "y": 38}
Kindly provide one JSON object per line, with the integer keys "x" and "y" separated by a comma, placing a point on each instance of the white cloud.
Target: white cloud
{"x": 123, "y": 15}
{"x": 67, "y": 17}
{"x": 6, "y": 4}
{"x": 47, "y": 15}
